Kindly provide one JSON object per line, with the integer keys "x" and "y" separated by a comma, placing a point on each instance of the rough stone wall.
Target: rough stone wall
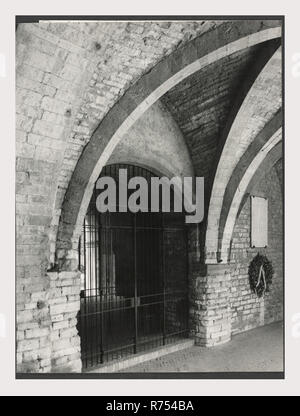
{"x": 248, "y": 311}
{"x": 211, "y": 314}
{"x": 47, "y": 337}
{"x": 64, "y": 304}
{"x": 209, "y": 296}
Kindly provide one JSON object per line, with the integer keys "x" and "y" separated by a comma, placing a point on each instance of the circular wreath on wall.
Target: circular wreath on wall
{"x": 260, "y": 273}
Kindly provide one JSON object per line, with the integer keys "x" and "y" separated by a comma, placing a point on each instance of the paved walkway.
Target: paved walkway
{"x": 260, "y": 349}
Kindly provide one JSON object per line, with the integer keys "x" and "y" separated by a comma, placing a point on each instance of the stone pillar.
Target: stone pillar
{"x": 33, "y": 322}
{"x": 47, "y": 337}
{"x": 64, "y": 305}
{"x": 213, "y": 305}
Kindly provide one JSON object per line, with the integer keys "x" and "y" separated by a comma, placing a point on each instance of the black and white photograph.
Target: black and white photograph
{"x": 149, "y": 204}
{"x": 149, "y": 196}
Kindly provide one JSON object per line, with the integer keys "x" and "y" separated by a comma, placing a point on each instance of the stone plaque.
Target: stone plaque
{"x": 259, "y": 221}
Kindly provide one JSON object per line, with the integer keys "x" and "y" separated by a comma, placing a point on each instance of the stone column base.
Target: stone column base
{"x": 212, "y": 312}
{"x": 47, "y": 336}
{"x": 64, "y": 305}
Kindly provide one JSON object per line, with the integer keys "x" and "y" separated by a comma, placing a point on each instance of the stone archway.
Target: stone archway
{"x": 247, "y": 125}
{"x": 132, "y": 105}
{"x": 258, "y": 150}
{"x": 240, "y": 191}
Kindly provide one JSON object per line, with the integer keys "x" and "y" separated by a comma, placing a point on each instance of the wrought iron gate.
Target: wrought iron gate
{"x": 134, "y": 279}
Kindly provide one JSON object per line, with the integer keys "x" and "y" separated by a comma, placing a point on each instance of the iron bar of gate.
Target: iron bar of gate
{"x": 163, "y": 282}
{"x": 90, "y": 303}
{"x": 135, "y": 288}
{"x": 183, "y": 293}
{"x": 139, "y": 227}
{"x": 187, "y": 315}
{"x": 100, "y": 290}
{"x": 79, "y": 254}
{"x": 97, "y": 282}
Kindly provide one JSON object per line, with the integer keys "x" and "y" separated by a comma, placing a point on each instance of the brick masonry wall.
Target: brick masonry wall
{"x": 248, "y": 311}
{"x": 209, "y": 295}
{"x": 47, "y": 337}
{"x": 64, "y": 304}
{"x": 212, "y": 314}
{"x": 201, "y": 104}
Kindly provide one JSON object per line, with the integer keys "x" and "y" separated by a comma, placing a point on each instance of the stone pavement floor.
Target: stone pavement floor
{"x": 260, "y": 349}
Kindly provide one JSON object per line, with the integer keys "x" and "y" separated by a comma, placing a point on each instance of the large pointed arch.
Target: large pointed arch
{"x": 169, "y": 72}
{"x": 273, "y": 143}
{"x": 235, "y": 184}
{"x": 256, "y": 111}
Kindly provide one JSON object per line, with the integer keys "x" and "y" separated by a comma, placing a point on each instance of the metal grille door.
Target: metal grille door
{"x": 134, "y": 293}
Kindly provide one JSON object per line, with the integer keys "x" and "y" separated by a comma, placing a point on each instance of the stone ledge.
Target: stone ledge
{"x": 118, "y": 365}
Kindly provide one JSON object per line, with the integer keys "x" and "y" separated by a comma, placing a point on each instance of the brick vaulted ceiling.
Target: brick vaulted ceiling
{"x": 201, "y": 104}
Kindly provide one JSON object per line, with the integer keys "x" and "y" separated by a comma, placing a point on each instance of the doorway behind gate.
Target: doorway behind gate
{"x": 134, "y": 287}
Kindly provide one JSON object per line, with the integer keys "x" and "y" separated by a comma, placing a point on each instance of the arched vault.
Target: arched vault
{"x": 199, "y": 53}
{"x": 257, "y": 121}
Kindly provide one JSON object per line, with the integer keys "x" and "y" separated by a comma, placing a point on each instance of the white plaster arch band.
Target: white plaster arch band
{"x": 232, "y": 151}
{"x": 230, "y": 48}
{"x": 241, "y": 189}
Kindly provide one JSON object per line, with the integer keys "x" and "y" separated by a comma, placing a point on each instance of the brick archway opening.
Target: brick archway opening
{"x": 131, "y": 106}
{"x": 134, "y": 277}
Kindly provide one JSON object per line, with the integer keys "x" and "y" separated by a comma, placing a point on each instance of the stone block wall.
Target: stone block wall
{"x": 221, "y": 301}
{"x": 209, "y": 292}
{"x": 248, "y": 311}
{"x": 213, "y": 313}
{"x": 47, "y": 337}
